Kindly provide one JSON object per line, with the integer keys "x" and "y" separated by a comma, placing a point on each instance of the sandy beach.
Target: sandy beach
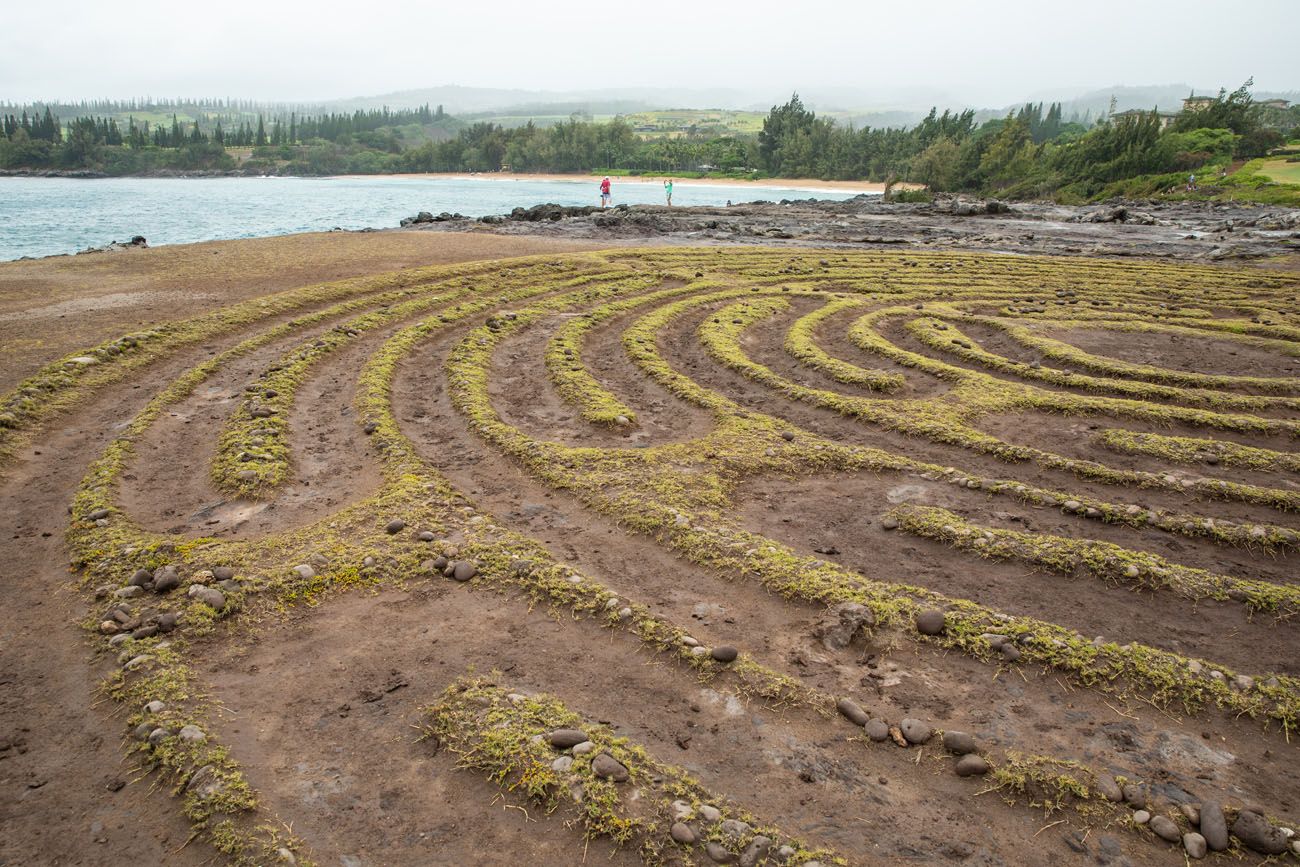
{"x": 809, "y": 184}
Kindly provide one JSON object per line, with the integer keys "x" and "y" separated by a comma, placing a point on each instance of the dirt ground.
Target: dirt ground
{"x": 320, "y": 703}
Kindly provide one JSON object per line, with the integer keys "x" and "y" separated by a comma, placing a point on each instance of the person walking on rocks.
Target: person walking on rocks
{"x": 668, "y": 191}
{"x": 604, "y": 193}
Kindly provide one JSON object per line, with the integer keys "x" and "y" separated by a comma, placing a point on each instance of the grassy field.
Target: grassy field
{"x": 1280, "y": 170}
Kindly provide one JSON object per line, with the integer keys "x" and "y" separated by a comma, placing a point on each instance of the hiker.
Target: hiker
{"x": 604, "y": 193}
{"x": 1191, "y": 182}
{"x": 668, "y": 191}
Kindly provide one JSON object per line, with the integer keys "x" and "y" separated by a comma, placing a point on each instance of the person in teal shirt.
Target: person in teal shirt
{"x": 668, "y": 191}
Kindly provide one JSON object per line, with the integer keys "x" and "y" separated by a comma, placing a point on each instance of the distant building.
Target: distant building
{"x": 1274, "y": 103}
{"x": 1166, "y": 117}
{"x": 1196, "y": 103}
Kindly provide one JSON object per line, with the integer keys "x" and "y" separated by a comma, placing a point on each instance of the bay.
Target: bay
{"x": 49, "y": 216}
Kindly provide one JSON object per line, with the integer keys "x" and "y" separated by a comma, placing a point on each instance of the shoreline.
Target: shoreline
{"x": 800, "y": 184}
{"x": 811, "y": 185}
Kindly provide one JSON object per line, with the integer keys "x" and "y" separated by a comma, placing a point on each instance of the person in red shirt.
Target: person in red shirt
{"x": 604, "y": 193}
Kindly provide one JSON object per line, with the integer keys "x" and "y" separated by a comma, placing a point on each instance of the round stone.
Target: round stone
{"x": 972, "y": 765}
{"x": 682, "y": 833}
{"x": 166, "y": 580}
{"x": 1194, "y": 845}
{"x": 889, "y": 524}
{"x": 725, "y": 653}
{"x": 394, "y": 526}
{"x": 223, "y": 573}
{"x": 157, "y": 736}
{"x": 958, "y": 743}
{"x": 464, "y": 570}
{"x": 211, "y": 597}
{"x": 1109, "y": 789}
{"x": 425, "y": 536}
{"x": 930, "y": 622}
{"x": 877, "y": 730}
{"x": 607, "y": 767}
{"x": 1258, "y": 835}
{"x": 562, "y": 739}
{"x": 719, "y": 854}
{"x": 562, "y": 764}
{"x": 1141, "y": 817}
{"x": 1166, "y": 829}
{"x": 710, "y": 813}
{"x": 192, "y": 734}
{"x": 583, "y": 748}
{"x": 305, "y": 572}
{"x": 915, "y": 731}
{"x": 155, "y": 706}
{"x": 1010, "y": 652}
{"x": 141, "y": 578}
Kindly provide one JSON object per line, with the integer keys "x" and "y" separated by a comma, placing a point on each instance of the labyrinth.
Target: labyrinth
{"x": 703, "y": 555}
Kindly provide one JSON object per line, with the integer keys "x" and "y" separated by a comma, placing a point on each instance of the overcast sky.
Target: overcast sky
{"x": 983, "y": 53}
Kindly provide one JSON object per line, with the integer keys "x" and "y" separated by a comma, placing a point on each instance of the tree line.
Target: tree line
{"x": 1034, "y": 151}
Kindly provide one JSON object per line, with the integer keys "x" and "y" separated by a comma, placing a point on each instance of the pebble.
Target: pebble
{"x": 889, "y": 524}
{"x": 1258, "y": 835}
{"x": 878, "y": 730}
{"x": 719, "y": 853}
{"x": 223, "y": 573}
{"x": 141, "y": 732}
{"x": 166, "y": 580}
{"x": 108, "y": 627}
{"x": 1141, "y": 817}
{"x": 1010, "y": 652}
{"x": 130, "y": 591}
{"x": 930, "y": 622}
{"x": 958, "y": 743}
{"x": 972, "y": 765}
{"x": 192, "y": 734}
{"x": 1166, "y": 829}
{"x": 209, "y": 596}
{"x": 394, "y": 526}
{"x": 155, "y": 706}
{"x": 464, "y": 570}
{"x": 1109, "y": 789}
{"x": 734, "y": 829}
{"x": 1214, "y": 826}
{"x": 141, "y": 578}
{"x": 562, "y": 739}
{"x": 915, "y": 731}
{"x": 1194, "y": 845}
{"x": 755, "y": 851}
{"x": 583, "y": 748}
{"x": 724, "y": 653}
{"x": 606, "y": 766}
{"x": 562, "y": 764}
{"x": 785, "y": 435}
{"x": 710, "y": 813}
{"x": 852, "y": 711}
{"x": 157, "y": 736}
{"x": 304, "y": 571}
{"x": 425, "y": 536}
{"x": 682, "y": 833}
{"x": 1192, "y": 812}
{"x": 1135, "y": 795}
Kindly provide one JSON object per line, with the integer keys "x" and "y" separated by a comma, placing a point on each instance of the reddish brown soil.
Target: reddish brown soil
{"x": 321, "y": 705}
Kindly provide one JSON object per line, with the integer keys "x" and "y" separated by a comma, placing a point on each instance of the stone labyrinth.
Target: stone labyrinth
{"x": 734, "y": 556}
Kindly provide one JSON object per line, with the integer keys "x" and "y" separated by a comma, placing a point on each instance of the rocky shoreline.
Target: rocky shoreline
{"x": 1182, "y": 230}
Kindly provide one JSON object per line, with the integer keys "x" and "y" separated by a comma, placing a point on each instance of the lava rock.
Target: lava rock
{"x": 166, "y": 580}
{"x": 915, "y": 731}
{"x": 1258, "y": 835}
{"x": 852, "y": 711}
{"x": 930, "y": 622}
{"x": 562, "y": 739}
{"x": 972, "y": 765}
{"x": 841, "y": 623}
{"x": 606, "y": 766}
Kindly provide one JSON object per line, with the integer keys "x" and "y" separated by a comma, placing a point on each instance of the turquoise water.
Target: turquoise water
{"x": 45, "y": 216}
